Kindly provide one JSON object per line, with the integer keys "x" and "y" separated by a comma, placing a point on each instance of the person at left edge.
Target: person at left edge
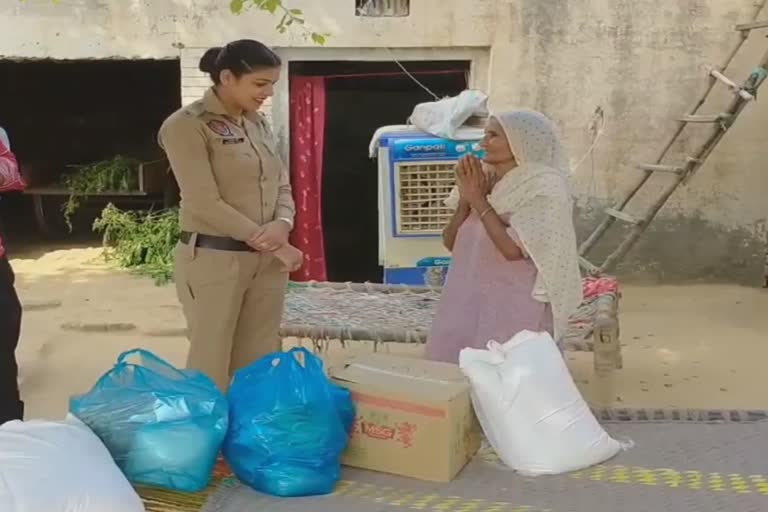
{"x": 11, "y": 406}
{"x": 236, "y": 212}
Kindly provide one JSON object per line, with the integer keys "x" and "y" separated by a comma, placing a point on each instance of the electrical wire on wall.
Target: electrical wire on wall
{"x": 408, "y": 73}
{"x": 596, "y": 130}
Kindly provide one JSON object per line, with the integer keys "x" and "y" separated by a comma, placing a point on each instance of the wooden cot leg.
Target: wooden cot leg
{"x": 607, "y": 347}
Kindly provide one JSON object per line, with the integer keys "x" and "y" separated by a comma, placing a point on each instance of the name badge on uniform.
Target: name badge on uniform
{"x": 220, "y": 128}
{"x": 232, "y": 140}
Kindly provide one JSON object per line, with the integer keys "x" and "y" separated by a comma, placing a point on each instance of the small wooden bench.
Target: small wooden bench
{"x": 152, "y": 180}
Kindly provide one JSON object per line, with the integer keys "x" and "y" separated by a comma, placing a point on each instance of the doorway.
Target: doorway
{"x": 361, "y": 97}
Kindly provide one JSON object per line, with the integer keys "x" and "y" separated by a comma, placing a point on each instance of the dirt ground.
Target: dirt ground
{"x": 697, "y": 346}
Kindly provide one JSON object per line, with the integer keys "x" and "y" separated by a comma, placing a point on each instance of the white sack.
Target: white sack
{"x": 530, "y": 409}
{"x": 60, "y": 467}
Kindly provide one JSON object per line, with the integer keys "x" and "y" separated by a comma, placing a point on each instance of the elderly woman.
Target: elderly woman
{"x": 514, "y": 258}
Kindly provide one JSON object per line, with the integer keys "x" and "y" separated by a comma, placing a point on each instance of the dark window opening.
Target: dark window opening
{"x": 63, "y": 113}
{"x": 383, "y": 8}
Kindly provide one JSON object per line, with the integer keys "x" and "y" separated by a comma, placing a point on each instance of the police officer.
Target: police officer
{"x": 236, "y": 213}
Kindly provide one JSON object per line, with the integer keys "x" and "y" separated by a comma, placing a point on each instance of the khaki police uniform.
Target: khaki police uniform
{"x": 232, "y": 182}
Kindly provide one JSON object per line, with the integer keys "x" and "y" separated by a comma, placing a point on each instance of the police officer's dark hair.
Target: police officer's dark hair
{"x": 239, "y": 57}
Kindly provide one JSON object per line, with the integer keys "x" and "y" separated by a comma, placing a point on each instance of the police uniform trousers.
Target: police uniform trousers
{"x": 233, "y": 303}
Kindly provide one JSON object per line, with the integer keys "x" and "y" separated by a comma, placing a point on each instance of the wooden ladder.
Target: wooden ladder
{"x": 680, "y": 172}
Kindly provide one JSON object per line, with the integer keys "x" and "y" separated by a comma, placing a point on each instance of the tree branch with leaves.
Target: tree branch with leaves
{"x": 288, "y": 16}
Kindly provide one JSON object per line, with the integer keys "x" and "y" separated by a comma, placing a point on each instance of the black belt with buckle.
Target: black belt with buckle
{"x": 219, "y": 243}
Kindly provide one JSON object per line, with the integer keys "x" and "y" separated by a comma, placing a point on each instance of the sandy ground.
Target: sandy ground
{"x": 697, "y": 346}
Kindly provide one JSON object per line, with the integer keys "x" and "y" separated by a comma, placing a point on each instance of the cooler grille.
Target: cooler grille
{"x": 421, "y": 189}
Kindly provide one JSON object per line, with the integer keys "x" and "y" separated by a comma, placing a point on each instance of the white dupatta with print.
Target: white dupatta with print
{"x": 535, "y": 197}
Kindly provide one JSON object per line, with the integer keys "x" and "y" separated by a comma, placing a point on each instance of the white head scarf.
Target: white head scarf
{"x": 535, "y": 197}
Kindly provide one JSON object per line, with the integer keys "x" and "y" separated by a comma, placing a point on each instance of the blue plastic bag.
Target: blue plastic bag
{"x": 163, "y": 426}
{"x": 288, "y": 426}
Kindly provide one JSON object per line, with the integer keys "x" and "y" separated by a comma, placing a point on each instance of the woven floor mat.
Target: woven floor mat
{"x": 658, "y": 415}
{"x": 678, "y": 466}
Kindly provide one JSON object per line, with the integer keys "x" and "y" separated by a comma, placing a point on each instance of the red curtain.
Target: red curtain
{"x": 307, "y": 97}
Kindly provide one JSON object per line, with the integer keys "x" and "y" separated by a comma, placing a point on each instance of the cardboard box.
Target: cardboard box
{"x": 414, "y": 417}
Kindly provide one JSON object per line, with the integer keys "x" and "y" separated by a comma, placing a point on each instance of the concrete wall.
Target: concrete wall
{"x": 640, "y": 61}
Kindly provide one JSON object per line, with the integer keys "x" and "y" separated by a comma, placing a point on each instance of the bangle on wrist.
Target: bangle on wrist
{"x": 486, "y": 211}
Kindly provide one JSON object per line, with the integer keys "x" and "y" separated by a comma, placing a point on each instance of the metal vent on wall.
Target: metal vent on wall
{"x": 421, "y": 190}
{"x": 383, "y": 8}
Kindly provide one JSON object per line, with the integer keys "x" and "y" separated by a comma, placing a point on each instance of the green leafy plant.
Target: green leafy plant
{"x": 120, "y": 174}
{"x": 140, "y": 241}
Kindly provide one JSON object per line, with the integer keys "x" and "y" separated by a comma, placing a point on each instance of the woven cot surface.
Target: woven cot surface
{"x": 347, "y": 308}
{"x": 351, "y": 308}
{"x": 688, "y": 465}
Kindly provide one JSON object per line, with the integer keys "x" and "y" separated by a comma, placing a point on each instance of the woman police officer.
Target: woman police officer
{"x": 233, "y": 259}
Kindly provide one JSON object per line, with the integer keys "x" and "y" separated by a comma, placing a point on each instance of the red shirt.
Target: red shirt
{"x": 10, "y": 178}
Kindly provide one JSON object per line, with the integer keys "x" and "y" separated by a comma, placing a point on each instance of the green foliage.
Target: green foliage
{"x": 120, "y": 174}
{"x": 288, "y": 17}
{"x": 142, "y": 242}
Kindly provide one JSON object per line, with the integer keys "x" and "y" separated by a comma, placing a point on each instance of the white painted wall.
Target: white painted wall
{"x": 80, "y": 29}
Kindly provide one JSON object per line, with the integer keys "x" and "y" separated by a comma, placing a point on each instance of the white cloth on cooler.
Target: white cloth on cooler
{"x": 530, "y": 409}
{"x": 443, "y": 118}
{"x": 50, "y": 466}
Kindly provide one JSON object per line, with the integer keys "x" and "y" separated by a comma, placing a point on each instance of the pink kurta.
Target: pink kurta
{"x": 485, "y": 297}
